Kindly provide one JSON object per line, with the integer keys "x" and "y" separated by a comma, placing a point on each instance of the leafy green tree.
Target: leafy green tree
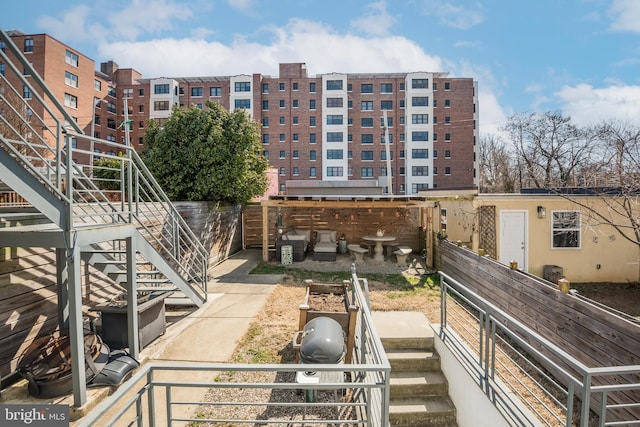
{"x": 207, "y": 154}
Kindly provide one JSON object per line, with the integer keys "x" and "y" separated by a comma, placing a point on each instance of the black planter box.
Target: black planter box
{"x": 151, "y": 321}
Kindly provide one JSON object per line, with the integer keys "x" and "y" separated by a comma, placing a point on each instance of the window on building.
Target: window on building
{"x": 566, "y": 229}
{"x": 419, "y": 101}
{"x": 420, "y": 83}
{"x": 349, "y": 87}
{"x": 415, "y": 188}
{"x": 296, "y": 171}
{"x": 349, "y": 154}
{"x": 71, "y": 58}
{"x": 447, "y": 86}
{"x": 70, "y": 79}
{"x": 382, "y": 141}
{"x": 283, "y": 154}
{"x": 334, "y": 85}
{"x": 28, "y": 45}
{"x": 386, "y": 105}
{"x": 281, "y": 86}
{"x": 334, "y": 102}
{"x": 70, "y": 101}
{"x": 401, "y": 120}
{"x": 335, "y": 154}
{"x": 420, "y": 136}
{"x": 242, "y": 86}
{"x": 312, "y": 87}
{"x": 367, "y": 138}
{"x": 265, "y": 87}
{"x": 447, "y": 103}
{"x": 2, "y": 69}
{"x": 295, "y": 154}
{"x": 283, "y": 171}
{"x": 294, "y": 86}
{"x": 282, "y": 137}
{"x": 312, "y": 155}
{"x": 196, "y": 91}
{"x": 3, "y": 46}
{"x": 447, "y": 137}
{"x": 161, "y": 89}
{"x": 312, "y": 121}
{"x": 366, "y": 105}
{"x": 265, "y": 138}
{"x": 335, "y": 170}
{"x": 295, "y": 137}
{"x": 366, "y": 155}
{"x": 127, "y": 93}
{"x": 435, "y": 86}
{"x": 366, "y": 88}
{"x": 335, "y": 136}
{"x": 383, "y": 155}
{"x": 402, "y": 86}
{"x": 334, "y": 119}
{"x": 265, "y": 122}
{"x": 140, "y": 92}
{"x": 366, "y": 172}
{"x": 282, "y": 120}
{"x": 215, "y": 91}
{"x": 419, "y": 170}
{"x": 97, "y": 85}
{"x": 419, "y": 119}
{"x": 312, "y": 172}
{"x": 282, "y": 104}
{"x": 265, "y": 105}
{"x": 419, "y": 153}
{"x": 389, "y": 122}
{"x": 366, "y": 122}
{"x": 312, "y": 138}
{"x": 447, "y": 171}
{"x": 160, "y": 105}
{"x": 386, "y": 87}
{"x": 435, "y": 137}
{"x": 111, "y": 123}
{"x": 312, "y": 104}
{"x": 435, "y": 154}
{"x": 447, "y": 120}
{"x": 295, "y": 103}
{"x": 111, "y": 107}
{"x": 242, "y": 104}
{"x": 447, "y": 154}
{"x": 265, "y": 153}
{"x": 296, "y": 120}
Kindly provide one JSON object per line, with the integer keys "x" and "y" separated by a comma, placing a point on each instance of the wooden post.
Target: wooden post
{"x": 481, "y": 252}
{"x": 513, "y": 265}
{"x": 564, "y": 285}
{"x": 265, "y": 233}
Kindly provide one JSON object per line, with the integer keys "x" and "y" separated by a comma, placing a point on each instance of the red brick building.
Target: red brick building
{"x": 326, "y": 127}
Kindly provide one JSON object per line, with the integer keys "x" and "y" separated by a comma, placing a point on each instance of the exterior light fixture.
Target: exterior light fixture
{"x": 542, "y": 212}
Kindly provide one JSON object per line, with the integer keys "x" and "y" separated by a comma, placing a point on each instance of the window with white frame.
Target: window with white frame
{"x": 566, "y": 229}
{"x": 71, "y": 58}
{"x": 70, "y": 100}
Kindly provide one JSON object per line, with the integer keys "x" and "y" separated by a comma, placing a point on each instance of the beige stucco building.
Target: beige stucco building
{"x": 538, "y": 230}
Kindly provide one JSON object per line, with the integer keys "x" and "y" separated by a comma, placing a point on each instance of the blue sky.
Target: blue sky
{"x": 578, "y": 57}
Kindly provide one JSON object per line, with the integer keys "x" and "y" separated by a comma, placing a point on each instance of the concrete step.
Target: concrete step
{"x": 405, "y": 385}
{"x": 436, "y": 411}
{"x": 411, "y": 360}
{"x": 407, "y": 343}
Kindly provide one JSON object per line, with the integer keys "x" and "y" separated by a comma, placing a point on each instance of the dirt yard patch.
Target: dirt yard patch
{"x": 624, "y": 297}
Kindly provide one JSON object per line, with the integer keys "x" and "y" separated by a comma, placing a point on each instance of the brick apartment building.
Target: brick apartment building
{"x": 326, "y": 127}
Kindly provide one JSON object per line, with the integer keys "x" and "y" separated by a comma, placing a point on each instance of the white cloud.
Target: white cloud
{"x": 319, "y": 46}
{"x": 70, "y": 25}
{"x": 243, "y": 5}
{"x": 78, "y": 22}
{"x": 377, "y": 22}
{"x": 626, "y": 15}
{"x": 452, "y": 15}
{"x": 588, "y": 105}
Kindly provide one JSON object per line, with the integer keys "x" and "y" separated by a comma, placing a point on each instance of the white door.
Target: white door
{"x": 513, "y": 238}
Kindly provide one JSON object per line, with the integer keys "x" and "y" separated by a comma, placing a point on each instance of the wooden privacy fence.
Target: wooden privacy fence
{"x": 591, "y": 334}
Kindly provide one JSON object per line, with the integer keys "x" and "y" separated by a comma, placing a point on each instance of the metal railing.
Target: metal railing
{"x": 531, "y": 380}
{"x": 99, "y": 182}
{"x": 162, "y": 394}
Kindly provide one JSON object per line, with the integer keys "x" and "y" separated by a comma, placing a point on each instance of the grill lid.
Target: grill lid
{"x": 322, "y": 341}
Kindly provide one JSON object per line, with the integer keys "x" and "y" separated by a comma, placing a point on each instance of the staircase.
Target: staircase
{"x": 419, "y": 390}
{"x": 99, "y": 206}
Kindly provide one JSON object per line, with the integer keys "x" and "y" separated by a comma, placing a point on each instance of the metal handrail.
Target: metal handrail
{"x": 52, "y": 148}
{"x": 496, "y": 340}
{"x": 145, "y": 398}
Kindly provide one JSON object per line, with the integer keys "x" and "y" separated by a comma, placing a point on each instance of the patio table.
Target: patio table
{"x": 378, "y": 250}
